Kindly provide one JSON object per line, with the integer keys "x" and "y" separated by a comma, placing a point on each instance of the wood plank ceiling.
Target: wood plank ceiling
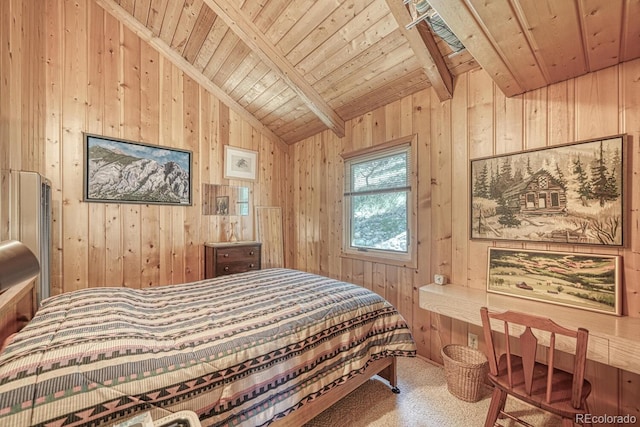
{"x": 528, "y": 44}
{"x": 294, "y": 68}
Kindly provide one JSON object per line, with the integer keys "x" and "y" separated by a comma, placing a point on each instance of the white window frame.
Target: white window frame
{"x": 406, "y": 259}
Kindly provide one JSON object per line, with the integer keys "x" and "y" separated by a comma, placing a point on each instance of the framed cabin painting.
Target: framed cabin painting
{"x": 121, "y": 171}
{"x": 570, "y": 193}
{"x": 585, "y": 281}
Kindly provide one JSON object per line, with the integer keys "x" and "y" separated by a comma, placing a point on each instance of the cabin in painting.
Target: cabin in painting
{"x": 305, "y": 85}
{"x": 540, "y": 194}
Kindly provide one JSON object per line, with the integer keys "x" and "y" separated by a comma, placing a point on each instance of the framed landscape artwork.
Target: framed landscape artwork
{"x": 120, "y": 171}
{"x": 585, "y": 281}
{"x": 570, "y": 193}
{"x": 240, "y": 163}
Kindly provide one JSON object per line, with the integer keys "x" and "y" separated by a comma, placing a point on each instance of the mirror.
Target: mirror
{"x": 225, "y": 200}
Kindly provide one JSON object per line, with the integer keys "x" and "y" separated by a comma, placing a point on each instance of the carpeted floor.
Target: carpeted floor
{"x": 423, "y": 402}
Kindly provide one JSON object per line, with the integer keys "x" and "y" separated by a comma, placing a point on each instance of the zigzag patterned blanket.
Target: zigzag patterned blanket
{"x": 244, "y": 349}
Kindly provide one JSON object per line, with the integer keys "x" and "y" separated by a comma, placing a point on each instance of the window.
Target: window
{"x": 542, "y": 200}
{"x": 531, "y": 200}
{"x": 243, "y": 201}
{"x": 378, "y": 201}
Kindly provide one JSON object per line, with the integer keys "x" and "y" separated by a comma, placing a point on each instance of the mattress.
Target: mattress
{"x": 242, "y": 350}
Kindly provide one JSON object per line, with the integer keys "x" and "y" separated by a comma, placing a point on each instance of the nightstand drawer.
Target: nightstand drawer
{"x": 241, "y": 253}
{"x": 229, "y": 258}
{"x": 236, "y": 267}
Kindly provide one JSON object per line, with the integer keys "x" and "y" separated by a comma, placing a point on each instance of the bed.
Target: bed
{"x": 270, "y": 347}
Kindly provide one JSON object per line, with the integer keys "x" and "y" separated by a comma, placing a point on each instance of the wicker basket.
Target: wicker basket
{"x": 465, "y": 370}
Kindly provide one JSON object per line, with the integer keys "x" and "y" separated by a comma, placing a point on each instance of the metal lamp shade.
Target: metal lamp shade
{"x": 17, "y": 264}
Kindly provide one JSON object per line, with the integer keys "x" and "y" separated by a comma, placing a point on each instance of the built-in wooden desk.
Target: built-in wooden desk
{"x": 613, "y": 340}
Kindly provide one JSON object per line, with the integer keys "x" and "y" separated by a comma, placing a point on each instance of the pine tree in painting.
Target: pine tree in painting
{"x": 584, "y": 186}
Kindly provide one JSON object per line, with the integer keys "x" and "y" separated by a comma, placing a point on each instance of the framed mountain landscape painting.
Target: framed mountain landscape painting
{"x": 586, "y": 281}
{"x": 571, "y": 193}
{"x": 120, "y": 171}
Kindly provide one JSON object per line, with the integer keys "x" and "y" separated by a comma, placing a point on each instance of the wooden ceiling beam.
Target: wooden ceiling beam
{"x": 426, "y": 51}
{"x": 174, "y": 57}
{"x": 246, "y": 30}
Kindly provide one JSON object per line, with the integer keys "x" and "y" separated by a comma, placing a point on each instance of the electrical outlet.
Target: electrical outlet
{"x": 472, "y": 340}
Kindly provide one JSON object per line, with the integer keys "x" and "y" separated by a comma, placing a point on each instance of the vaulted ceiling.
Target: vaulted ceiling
{"x": 293, "y": 68}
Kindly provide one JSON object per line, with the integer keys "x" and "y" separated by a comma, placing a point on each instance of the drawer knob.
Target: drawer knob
{"x": 226, "y": 255}
{"x": 226, "y": 268}
{"x": 252, "y": 265}
{"x": 251, "y": 252}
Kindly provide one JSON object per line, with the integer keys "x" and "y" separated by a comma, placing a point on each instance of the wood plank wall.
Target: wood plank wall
{"x": 97, "y": 76}
{"x": 22, "y": 88}
{"x": 478, "y": 121}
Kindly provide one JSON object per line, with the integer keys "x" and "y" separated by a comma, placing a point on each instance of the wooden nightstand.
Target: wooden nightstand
{"x": 229, "y": 258}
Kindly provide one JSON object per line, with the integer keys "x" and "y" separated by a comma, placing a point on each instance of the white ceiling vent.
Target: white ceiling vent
{"x": 443, "y": 31}
{"x": 421, "y": 10}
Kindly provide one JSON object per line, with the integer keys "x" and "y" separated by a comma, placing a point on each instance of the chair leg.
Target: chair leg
{"x": 585, "y": 405}
{"x": 498, "y": 399}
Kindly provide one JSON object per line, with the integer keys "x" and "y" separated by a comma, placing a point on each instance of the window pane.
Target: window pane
{"x": 379, "y": 221}
{"x": 243, "y": 208}
{"x": 381, "y": 173}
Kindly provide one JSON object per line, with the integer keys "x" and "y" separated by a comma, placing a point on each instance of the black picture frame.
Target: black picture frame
{"x": 572, "y": 193}
{"x": 121, "y": 171}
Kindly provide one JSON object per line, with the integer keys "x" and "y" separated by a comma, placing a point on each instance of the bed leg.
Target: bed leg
{"x": 390, "y": 374}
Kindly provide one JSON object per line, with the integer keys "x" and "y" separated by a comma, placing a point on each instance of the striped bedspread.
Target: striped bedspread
{"x": 244, "y": 349}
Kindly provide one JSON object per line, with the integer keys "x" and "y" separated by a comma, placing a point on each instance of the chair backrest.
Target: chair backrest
{"x": 528, "y": 348}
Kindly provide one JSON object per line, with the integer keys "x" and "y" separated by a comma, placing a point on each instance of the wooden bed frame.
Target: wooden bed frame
{"x": 386, "y": 368}
{"x": 17, "y": 307}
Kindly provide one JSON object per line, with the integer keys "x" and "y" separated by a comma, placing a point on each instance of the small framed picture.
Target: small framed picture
{"x": 222, "y": 205}
{"x": 240, "y": 163}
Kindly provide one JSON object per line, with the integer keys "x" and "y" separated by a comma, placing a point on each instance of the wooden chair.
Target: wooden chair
{"x": 539, "y": 384}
